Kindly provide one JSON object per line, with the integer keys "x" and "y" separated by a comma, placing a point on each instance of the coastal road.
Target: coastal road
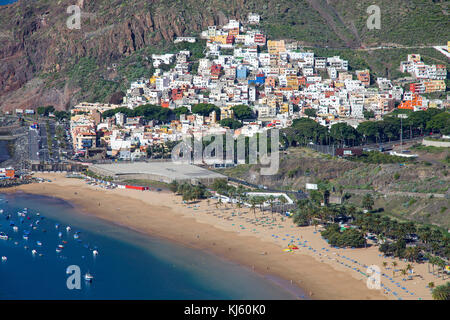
{"x": 33, "y": 138}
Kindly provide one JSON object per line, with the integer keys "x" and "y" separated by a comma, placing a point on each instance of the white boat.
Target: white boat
{"x": 58, "y": 250}
{"x": 4, "y": 258}
{"x": 3, "y": 236}
{"x": 39, "y": 243}
{"x": 95, "y": 252}
{"x": 88, "y": 277}
{"x": 76, "y": 236}
{"x": 25, "y": 237}
{"x": 68, "y": 229}
{"x": 15, "y": 228}
{"x": 33, "y": 252}
{"x": 1, "y": 211}
{"x": 60, "y": 234}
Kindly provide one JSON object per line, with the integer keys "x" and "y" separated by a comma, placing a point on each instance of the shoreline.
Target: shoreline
{"x": 162, "y": 215}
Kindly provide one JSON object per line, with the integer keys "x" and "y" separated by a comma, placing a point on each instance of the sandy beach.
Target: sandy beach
{"x": 320, "y": 271}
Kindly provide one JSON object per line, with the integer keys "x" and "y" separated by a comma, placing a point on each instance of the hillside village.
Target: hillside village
{"x": 249, "y": 84}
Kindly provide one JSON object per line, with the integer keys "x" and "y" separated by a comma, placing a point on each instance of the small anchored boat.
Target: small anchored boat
{"x": 95, "y": 252}
{"x": 3, "y": 236}
{"x": 88, "y": 277}
{"x": 4, "y": 258}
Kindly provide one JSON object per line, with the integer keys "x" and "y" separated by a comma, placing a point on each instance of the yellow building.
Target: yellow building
{"x": 284, "y": 108}
{"x": 226, "y": 112}
{"x": 275, "y": 47}
{"x": 221, "y": 39}
{"x": 434, "y": 86}
{"x": 292, "y": 81}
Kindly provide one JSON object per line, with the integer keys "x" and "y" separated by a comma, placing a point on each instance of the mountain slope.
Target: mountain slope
{"x": 42, "y": 62}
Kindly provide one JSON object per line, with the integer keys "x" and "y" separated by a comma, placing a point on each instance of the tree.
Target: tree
{"x": 394, "y": 264}
{"x": 253, "y": 203}
{"x": 440, "y": 122}
{"x": 367, "y": 202}
{"x": 442, "y": 292}
{"x": 243, "y": 112}
{"x": 343, "y": 133}
{"x": 45, "y": 111}
{"x": 204, "y": 109}
{"x": 310, "y": 112}
{"x": 303, "y": 131}
{"x": 173, "y": 186}
{"x": 181, "y": 110}
{"x": 231, "y": 123}
{"x": 368, "y": 114}
{"x": 370, "y": 130}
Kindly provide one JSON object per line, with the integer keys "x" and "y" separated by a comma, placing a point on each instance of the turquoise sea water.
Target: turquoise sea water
{"x": 129, "y": 265}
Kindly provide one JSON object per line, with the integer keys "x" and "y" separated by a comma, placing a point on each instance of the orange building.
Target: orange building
{"x": 7, "y": 173}
{"x": 364, "y": 77}
{"x": 415, "y": 103}
{"x": 270, "y": 82}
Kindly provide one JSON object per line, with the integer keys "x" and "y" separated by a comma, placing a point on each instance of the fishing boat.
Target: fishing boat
{"x": 3, "y": 236}
{"x": 88, "y": 277}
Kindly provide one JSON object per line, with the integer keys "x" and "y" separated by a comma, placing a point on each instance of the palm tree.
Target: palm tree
{"x": 431, "y": 285}
{"x": 271, "y": 202}
{"x": 253, "y": 203}
{"x": 384, "y": 264}
{"x": 394, "y": 264}
{"x": 219, "y": 203}
{"x": 404, "y": 272}
{"x": 315, "y": 223}
{"x": 442, "y": 292}
{"x": 239, "y": 205}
